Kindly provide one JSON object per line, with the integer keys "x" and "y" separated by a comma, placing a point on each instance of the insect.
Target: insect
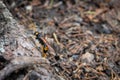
{"x": 43, "y": 43}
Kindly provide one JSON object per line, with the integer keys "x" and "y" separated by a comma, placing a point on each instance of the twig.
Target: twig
{"x": 56, "y": 39}
{"x": 20, "y": 62}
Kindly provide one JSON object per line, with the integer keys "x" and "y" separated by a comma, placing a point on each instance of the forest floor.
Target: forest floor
{"x": 84, "y": 35}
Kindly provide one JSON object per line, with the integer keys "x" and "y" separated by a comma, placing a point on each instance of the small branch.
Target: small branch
{"x": 21, "y": 62}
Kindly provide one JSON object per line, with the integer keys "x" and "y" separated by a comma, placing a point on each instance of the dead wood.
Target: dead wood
{"x": 15, "y": 45}
{"x": 20, "y": 62}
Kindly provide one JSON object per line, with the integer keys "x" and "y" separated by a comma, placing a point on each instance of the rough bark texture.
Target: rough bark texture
{"x": 14, "y": 36}
{"x": 16, "y": 47}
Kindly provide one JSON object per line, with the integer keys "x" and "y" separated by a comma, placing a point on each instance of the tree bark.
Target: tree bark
{"x": 16, "y": 46}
